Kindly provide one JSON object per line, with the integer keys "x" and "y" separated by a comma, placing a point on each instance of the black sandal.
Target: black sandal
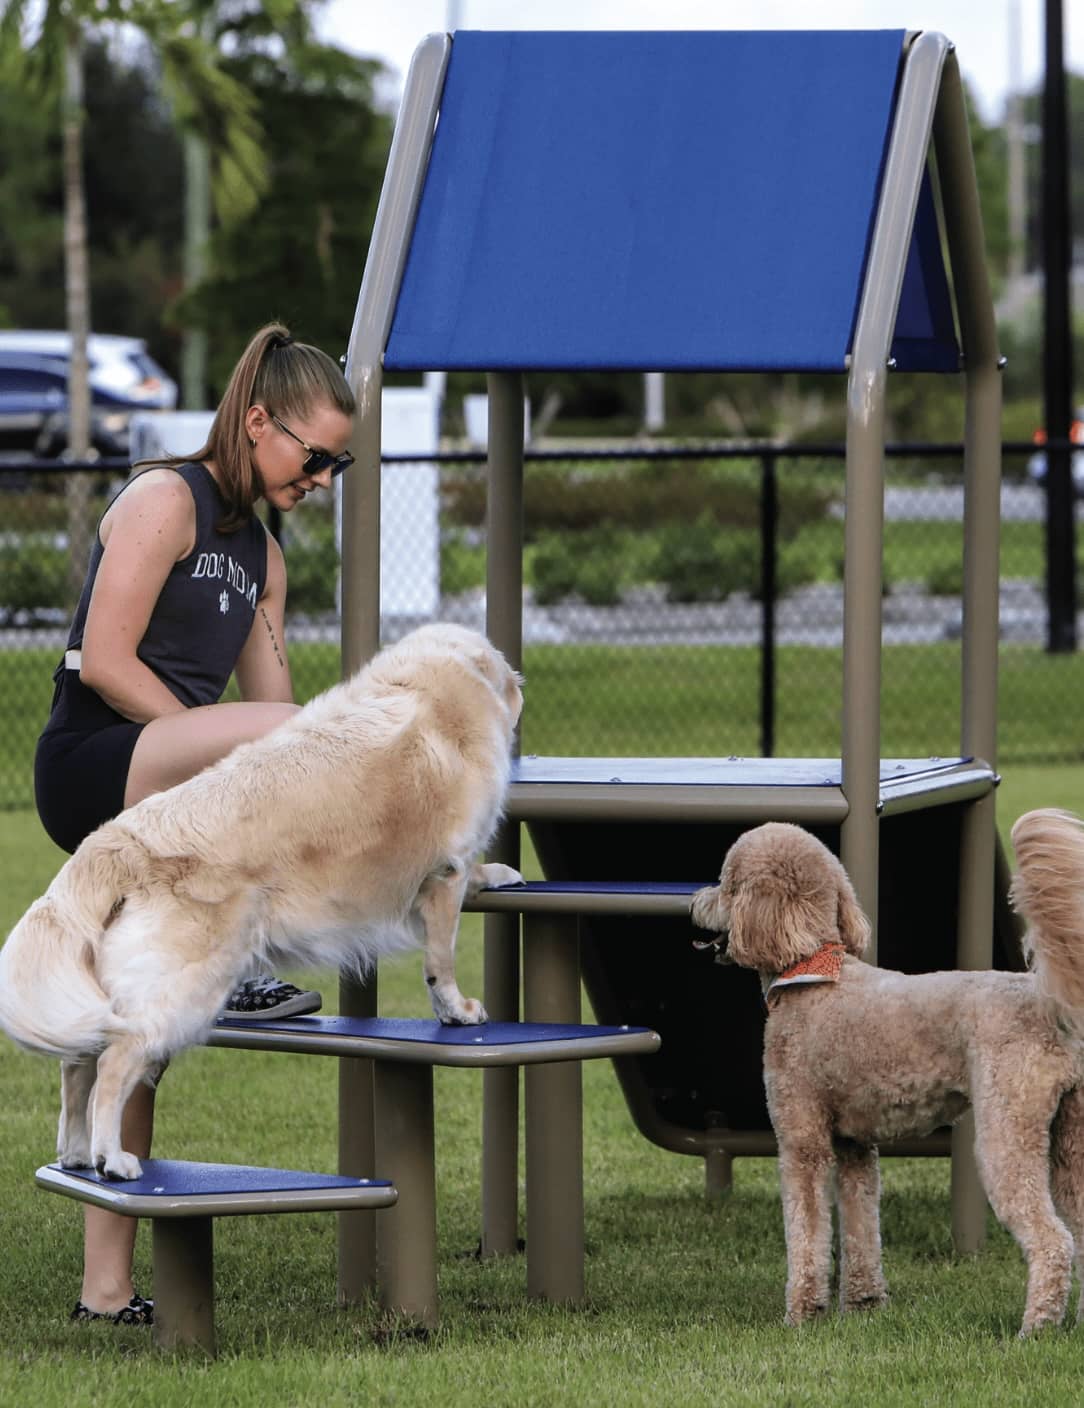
{"x": 138, "y": 1311}
{"x": 269, "y": 997}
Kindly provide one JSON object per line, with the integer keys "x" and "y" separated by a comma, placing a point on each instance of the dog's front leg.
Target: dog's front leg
{"x": 73, "y": 1133}
{"x": 121, "y": 1066}
{"x": 438, "y": 906}
{"x": 805, "y": 1174}
{"x": 861, "y": 1279}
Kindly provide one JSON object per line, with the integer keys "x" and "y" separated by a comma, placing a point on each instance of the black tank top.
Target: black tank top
{"x": 205, "y": 609}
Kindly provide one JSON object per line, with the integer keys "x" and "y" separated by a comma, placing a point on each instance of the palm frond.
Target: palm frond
{"x": 32, "y": 45}
{"x": 208, "y": 101}
{"x": 12, "y": 22}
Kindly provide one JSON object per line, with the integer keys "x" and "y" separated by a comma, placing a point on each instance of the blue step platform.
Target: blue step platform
{"x": 179, "y": 1188}
{"x": 182, "y": 1200}
{"x": 421, "y": 1041}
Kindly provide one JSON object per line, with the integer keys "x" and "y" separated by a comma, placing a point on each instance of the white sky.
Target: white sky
{"x": 999, "y": 43}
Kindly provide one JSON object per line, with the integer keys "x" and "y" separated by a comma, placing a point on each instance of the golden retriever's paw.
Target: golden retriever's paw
{"x": 494, "y": 876}
{"x": 473, "y": 1013}
{"x": 118, "y": 1165}
{"x": 458, "y": 1011}
{"x": 75, "y": 1153}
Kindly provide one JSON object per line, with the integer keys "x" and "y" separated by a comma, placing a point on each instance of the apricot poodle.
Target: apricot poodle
{"x": 855, "y": 1054}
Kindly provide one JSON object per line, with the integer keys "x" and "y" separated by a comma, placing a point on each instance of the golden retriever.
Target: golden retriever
{"x": 855, "y": 1054}
{"x": 348, "y": 832}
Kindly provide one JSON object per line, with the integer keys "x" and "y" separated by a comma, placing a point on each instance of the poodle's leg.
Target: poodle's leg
{"x": 861, "y": 1278}
{"x": 73, "y": 1135}
{"x": 1067, "y": 1176}
{"x": 1012, "y": 1136}
{"x": 805, "y": 1174}
{"x": 437, "y": 906}
{"x": 121, "y": 1066}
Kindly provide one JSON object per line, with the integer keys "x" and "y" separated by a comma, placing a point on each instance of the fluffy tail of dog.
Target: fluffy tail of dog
{"x": 50, "y": 998}
{"x": 1048, "y": 891}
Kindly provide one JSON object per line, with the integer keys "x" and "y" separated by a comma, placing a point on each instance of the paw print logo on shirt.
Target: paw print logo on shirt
{"x": 223, "y": 602}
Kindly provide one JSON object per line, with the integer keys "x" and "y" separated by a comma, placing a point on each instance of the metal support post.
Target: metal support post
{"x": 982, "y": 516}
{"x": 406, "y": 1234}
{"x": 500, "y": 1085}
{"x": 360, "y": 539}
{"x": 554, "y": 1101}
{"x": 182, "y": 1253}
{"x": 864, "y": 527}
{"x": 504, "y": 625}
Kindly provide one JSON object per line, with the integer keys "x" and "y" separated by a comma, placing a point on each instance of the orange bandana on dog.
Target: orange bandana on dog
{"x": 823, "y": 967}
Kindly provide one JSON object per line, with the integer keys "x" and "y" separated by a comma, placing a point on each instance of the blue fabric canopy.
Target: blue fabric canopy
{"x": 664, "y": 201}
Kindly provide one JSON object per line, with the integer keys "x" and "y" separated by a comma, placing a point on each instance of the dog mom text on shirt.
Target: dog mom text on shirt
{"x": 219, "y": 566}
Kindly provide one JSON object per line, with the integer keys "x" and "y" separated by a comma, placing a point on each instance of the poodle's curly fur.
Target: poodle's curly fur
{"x": 878, "y": 1055}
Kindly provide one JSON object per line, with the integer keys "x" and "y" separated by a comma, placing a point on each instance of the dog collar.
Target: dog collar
{"x": 821, "y": 967}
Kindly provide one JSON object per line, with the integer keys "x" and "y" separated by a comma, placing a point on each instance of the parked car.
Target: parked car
{"x": 1036, "y": 466}
{"x": 124, "y": 379}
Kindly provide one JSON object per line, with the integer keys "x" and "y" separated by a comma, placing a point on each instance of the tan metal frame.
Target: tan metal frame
{"x": 388, "y": 247}
{"x": 930, "y": 107}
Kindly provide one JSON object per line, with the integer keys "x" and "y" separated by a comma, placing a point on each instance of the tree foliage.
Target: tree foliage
{"x": 296, "y": 250}
{"x": 201, "y": 94}
{"x": 301, "y": 255}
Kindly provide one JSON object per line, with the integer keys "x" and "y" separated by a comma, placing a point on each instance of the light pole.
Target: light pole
{"x": 1057, "y": 347}
{"x": 1014, "y": 131}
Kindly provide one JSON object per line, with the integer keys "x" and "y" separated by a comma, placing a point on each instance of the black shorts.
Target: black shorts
{"x": 81, "y": 763}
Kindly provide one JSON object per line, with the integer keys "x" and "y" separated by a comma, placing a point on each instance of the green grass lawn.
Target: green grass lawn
{"x": 684, "y": 1300}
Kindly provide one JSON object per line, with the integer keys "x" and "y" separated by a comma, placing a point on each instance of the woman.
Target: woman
{"x": 184, "y": 588}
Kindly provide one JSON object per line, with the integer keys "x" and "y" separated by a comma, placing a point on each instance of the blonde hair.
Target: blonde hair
{"x": 289, "y": 378}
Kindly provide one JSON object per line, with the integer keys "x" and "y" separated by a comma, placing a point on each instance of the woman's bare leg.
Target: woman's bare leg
{"x": 109, "y": 1238}
{"x": 175, "y": 747}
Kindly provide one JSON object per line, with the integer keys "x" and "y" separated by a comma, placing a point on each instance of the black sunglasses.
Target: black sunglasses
{"x": 318, "y": 460}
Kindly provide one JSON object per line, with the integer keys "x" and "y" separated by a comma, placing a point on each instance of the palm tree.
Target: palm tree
{"x": 204, "y": 100}
{"x": 242, "y": 22}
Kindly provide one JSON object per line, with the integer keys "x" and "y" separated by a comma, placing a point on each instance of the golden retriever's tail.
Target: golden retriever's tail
{"x": 1048, "y": 891}
{"x": 50, "y": 998}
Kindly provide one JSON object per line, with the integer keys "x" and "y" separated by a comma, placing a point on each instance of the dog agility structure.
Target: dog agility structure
{"x": 731, "y": 202}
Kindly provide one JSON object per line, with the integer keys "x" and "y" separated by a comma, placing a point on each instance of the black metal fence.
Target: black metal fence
{"x": 678, "y": 601}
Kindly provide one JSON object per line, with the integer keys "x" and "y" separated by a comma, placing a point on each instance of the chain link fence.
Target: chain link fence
{"x": 681, "y": 602}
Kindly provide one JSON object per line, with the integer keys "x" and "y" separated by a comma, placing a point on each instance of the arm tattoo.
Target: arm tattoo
{"x": 274, "y": 642}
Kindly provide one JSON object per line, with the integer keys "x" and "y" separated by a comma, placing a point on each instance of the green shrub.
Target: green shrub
{"x": 602, "y": 567}
{"x": 687, "y": 561}
{"x": 462, "y": 564}
{"x": 593, "y": 565}
{"x": 639, "y": 496}
{"x": 797, "y": 564}
{"x": 697, "y": 562}
{"x": 553, "y": 569}
{"x": 704, "y": 563}
{"x": 946, "y": 578}
{"x": 312, "y": 565}
{"x": 33, "y": 574}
